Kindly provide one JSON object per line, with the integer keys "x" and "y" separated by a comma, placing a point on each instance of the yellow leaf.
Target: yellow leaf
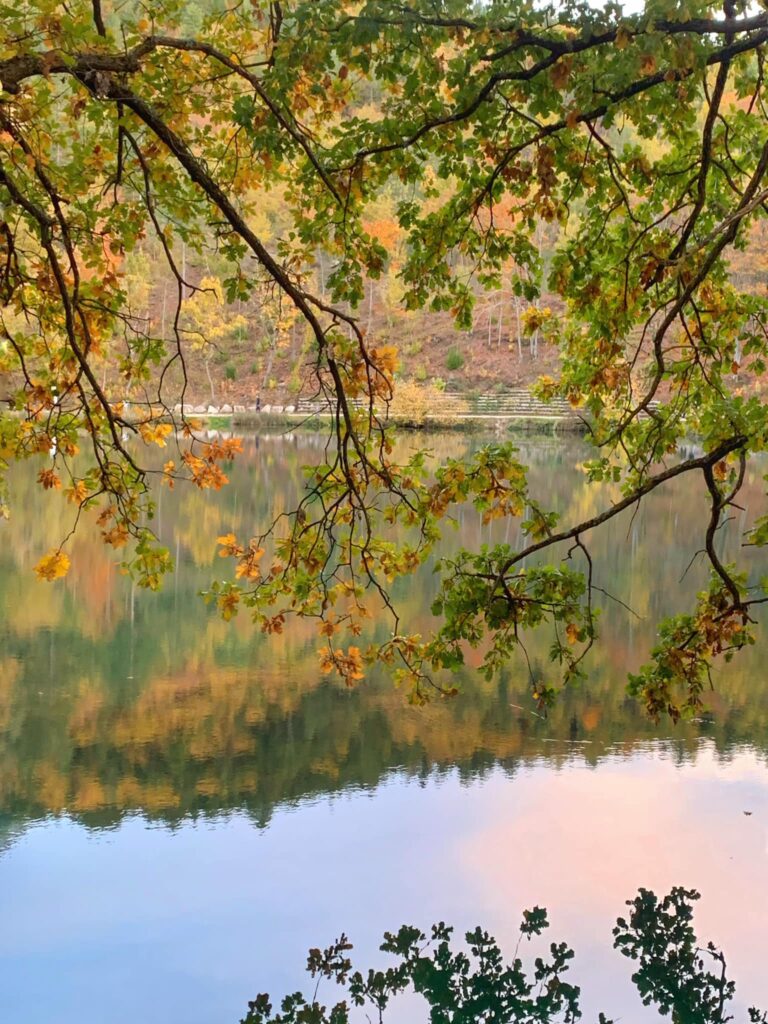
{"x": 155, "y": 433}
{"x": 53, "y": 566}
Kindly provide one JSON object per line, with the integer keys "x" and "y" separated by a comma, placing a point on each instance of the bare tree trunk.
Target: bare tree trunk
{"x": 210, "y": 379}
{"x": 268, "y": 367}
{"x": 162, "y": 317}
{"x": 370, "y": 304}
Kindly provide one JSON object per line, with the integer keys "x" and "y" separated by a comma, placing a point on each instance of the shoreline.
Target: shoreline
{"x": 465, "y": 423}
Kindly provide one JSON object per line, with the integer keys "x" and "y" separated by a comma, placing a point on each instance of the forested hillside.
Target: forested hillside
{"x": 257, "y": 346}
{"x": 244, "y": 344}
{"x": 251, "y": 350}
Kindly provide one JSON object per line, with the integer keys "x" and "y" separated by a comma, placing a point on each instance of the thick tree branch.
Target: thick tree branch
{"x": 690, "y": 465}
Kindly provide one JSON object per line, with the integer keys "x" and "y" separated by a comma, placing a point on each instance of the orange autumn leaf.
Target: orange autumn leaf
{"x": 385, "y": 358}
{"x": 49, "y": 479}
{"x": 228, "y": 603}
{"x": 647, "y": 64}
{"x": 274, "y": 624}
{"x": 229, "y": 546}
{"x": 117, "y": 537}
{"x": 327, "y": 627}
{"x": 248, "y": 565}
{"x": 349, "y": 666}
{"x": 561, "y": 72}
{"x": 77, "y": 493}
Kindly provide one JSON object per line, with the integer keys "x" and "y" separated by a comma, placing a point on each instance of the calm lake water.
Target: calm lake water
{"x": 186, "y": 806}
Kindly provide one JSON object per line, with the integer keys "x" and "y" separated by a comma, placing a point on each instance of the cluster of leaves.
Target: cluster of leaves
{"x": 687, "y": 646}
{"x": 314, "y": 572}
{"x": 479, "y": 986}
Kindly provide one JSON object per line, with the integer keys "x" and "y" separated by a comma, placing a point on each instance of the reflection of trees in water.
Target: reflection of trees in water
{"x": 10, "y": 831}
{"x": 113, "y": 701}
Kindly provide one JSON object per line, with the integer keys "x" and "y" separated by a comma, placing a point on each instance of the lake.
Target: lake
{"x": 187, "y": 805}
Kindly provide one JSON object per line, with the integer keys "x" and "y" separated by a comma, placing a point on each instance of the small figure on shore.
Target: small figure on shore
{"x": 258, "y": 403}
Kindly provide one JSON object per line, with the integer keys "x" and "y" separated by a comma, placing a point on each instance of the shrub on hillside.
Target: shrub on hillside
{"x": 454, "y": 360}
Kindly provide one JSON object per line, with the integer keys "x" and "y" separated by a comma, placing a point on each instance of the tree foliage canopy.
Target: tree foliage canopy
{"x": 641, "y": 136}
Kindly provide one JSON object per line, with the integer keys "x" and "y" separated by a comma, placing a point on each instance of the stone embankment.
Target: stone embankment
{"x": 516, "y": 408}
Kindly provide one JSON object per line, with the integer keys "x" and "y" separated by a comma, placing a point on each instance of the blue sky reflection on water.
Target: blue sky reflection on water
{"x": 187, "y": 924}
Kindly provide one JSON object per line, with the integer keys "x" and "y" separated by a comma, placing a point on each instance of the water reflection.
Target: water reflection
{"x": 114, "y": 701}
{"x": 170, "y": 734}
{"x": 188, "y": 924}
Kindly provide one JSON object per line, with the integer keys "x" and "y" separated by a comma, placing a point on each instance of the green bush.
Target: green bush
{"x": 230, "y": 372}
{"x": 454, "y": 360}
